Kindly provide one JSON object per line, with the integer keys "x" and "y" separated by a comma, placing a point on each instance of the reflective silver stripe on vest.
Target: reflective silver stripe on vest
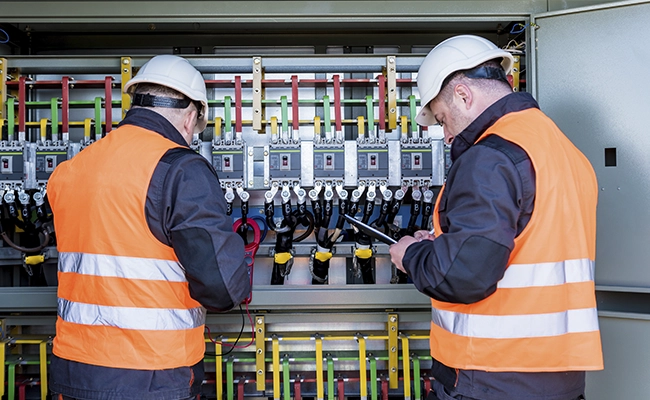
{"x": 516, "y": 326}
{"x": 160, "y": 319}
{"x": 122, "y": 267}
{"x": 547, "y": 274}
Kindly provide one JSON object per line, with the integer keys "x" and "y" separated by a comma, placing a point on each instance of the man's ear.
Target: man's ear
{"x": 189, "y": 123}
{"x": 464, "y": 94}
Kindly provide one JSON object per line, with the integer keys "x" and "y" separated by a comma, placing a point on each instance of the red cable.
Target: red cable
{"x": 21, "y": 104}
{"x": 384, "y": 389}
{"x": 240, "y": 389}
{"x": 238, "y": 121}
{"x": 337, "y": 102}
{"x": 294, "y": 102}
{"x": 65, "y": 106}
{"x": 297, "y": 395}
{"x": 381, "y": 81}
{"x": 341, "y": 389}
{"x": 108, "y": 102}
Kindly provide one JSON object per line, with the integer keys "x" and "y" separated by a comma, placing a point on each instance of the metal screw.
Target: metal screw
{"x": 392, "y": 111}
{"x": 393, "y": 369}
{"x": 259, "y": 351}
{"x": 266, "y": 182}
{"x": 391, "y": 59}
{"x": 259, "y": 330}
{"x": 250, "y": 153}
{"x": 257, "y": 61}
{"x": 266, "y": 153}
{"x": 259, "y": 321}
{"x": 393, "y": 319}
{"x": 260, "y": 372}
{"x": 126, "y": 70}
{"x": 392, "y": 349}
{"x": 250, "y": 183}
{"x": 125, "y": 61}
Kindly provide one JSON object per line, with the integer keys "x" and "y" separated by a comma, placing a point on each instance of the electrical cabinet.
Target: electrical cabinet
{"x": 311, "y": 112}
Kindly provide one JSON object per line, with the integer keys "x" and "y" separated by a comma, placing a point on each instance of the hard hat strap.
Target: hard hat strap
{"x": 486, "y": 72}
{"x": 147, "y": 100}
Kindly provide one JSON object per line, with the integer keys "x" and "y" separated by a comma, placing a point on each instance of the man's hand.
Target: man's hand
{"x": 423, "y": 235}
{"x": 398, "y": 249}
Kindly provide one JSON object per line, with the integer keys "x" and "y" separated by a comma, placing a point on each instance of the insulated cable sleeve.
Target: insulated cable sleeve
{"x": 383, "y": 213}
{"x": 364, "y": 258}
{"x": 319, "y": 270}
{"x": 306, "y": 220}
{"x": 367, "y": 272}
{"x": 283, "y": 259}
{"x": 269, "y": 212}
{"x": 343, "y": 209}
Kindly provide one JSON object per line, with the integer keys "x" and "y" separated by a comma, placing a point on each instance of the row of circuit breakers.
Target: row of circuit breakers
{"x": 368, "y": 163}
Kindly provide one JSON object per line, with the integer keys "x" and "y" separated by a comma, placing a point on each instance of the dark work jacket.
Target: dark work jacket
{"x": 185, "y": 209}
{"x": 485, "y": 225}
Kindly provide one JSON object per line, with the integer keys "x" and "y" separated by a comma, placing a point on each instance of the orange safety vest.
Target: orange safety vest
{"x": 123, "y": 298}
{"x": 542, "y": 316}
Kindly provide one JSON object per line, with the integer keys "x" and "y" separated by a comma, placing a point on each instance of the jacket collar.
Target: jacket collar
{"x": 514, "y": 102}
{"x": 151, "y": 120}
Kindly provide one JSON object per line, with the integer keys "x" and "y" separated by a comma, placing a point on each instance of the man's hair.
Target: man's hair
{"x": 488, "y": 77}
{"x": 157, "y": 90}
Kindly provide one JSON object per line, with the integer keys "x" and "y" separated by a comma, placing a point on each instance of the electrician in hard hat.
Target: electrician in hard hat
{"x": 510, "y": 266}
{"x": 145, "y": 247}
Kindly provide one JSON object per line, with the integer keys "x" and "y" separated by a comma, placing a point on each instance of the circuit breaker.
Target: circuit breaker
{"x": 47, "y": 159}
{"x": 285, "y": 164}
{"x": 228, "y": 161}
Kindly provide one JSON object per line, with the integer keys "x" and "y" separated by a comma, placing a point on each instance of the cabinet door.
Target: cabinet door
{"x": 593, "y": 80}
{"x": 592, "y": 68}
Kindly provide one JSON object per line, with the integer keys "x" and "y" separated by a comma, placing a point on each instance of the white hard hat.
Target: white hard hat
{"x": 175, "y": 73}
{"x": 454, "y": 54}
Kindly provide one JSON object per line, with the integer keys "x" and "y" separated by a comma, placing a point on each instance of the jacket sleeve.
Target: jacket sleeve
{"x": 186, "y": 210}
{"x": 482, "y": 206}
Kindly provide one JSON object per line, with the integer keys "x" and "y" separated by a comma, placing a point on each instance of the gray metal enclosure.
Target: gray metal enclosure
{"x": 591, "y": 79}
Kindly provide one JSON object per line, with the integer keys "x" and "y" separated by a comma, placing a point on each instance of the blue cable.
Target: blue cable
{"x": 6, "y": 35}
{"x": 523, "y": 28}
{"x": 261, "y": 222}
